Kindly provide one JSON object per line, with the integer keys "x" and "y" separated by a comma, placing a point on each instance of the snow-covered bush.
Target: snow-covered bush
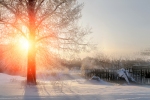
{"x": 95, "y": 78}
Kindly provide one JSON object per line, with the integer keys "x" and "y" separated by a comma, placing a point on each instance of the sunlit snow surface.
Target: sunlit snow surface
{"x": 69, "y": 86}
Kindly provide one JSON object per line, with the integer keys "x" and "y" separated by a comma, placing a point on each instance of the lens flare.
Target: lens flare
{"x": 23, "y": 44}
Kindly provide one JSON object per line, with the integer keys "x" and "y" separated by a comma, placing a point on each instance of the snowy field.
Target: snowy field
{"x": 69, "y": 87}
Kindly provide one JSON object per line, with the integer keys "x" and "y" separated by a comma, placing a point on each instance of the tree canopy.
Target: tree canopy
{"x": 48, "y": 26}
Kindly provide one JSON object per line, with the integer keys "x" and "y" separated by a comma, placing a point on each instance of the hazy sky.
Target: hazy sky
{"x": 120, "y": 27}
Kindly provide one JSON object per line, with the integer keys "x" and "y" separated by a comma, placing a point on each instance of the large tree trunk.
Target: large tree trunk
{"x": 31, "y": 69}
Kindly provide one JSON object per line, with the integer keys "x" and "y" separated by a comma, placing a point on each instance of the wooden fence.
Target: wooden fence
{"x": 141, "y": 76}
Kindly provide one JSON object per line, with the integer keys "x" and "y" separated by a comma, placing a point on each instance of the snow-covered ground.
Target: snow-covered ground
{"x": 69, "y": 87}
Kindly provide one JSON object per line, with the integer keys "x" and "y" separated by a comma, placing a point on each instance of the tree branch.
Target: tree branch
{"x": 38, "y": 6}
{"x": 48, "y": 36}
{"x": 5, "y": 5}
{"x": 22, "y": 33}
{"x": 14, "y": 12}
{"x": 47, "y": 15}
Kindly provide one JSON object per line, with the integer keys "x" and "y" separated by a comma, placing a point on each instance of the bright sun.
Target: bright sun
{"x": 23, "y": 43}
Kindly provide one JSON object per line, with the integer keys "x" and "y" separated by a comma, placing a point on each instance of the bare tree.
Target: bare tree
{"x": 48, "y": 24}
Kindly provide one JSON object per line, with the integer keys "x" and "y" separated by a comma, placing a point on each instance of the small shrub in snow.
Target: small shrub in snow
{"x": 95, "y": 78}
